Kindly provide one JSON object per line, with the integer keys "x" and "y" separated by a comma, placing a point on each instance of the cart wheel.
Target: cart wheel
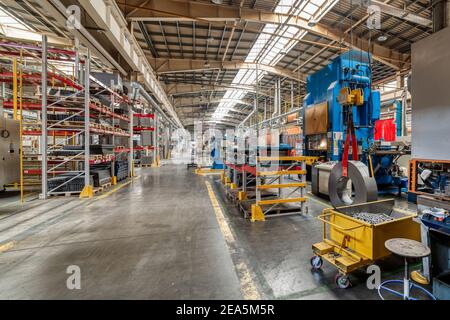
{"x": 316, "y": 262}
{"x": 342, "y": 281}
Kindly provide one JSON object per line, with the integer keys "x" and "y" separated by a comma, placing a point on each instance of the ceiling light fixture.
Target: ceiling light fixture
{"x": 382, "y": 38}
{"x": 210, "y": 39}
{"x": 312, "y": 23}
{"x": 217, "y": 1}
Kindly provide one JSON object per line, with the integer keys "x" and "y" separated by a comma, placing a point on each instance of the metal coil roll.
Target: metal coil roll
{"x": 365, "y": 187}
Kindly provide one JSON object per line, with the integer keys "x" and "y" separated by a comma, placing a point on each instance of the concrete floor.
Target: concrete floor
{"x": 158, "y": 238}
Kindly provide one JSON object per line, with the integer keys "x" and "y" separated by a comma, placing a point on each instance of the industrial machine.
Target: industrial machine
{"x": 217, "y": 163}
{"x": 340, "y": 112}
{"x": 430, "y": 177}
{"x": 338, "y": 91}
{"x": 10, "y": 153}
{"x": 389, "y": 174}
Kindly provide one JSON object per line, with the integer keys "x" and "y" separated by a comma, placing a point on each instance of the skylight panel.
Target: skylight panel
{"x": 311, "y": 8}
{"x": 284, "y": 6}
{"x": 13, "y": 28}
{"x": 269, "y": 49}
{"x": 305, "y": 15}
{"x": 318, "y": 3}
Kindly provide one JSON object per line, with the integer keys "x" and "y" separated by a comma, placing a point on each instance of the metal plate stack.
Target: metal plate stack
{"x": 101, "y": 149}
{"x": 121, "y": 170}
{"x": 146, "y": 138}
{"x": 146, "y": 160}
{"x": 101, "y": 176}
{"x": 62, "y": 116}
{"x": 75, "y": 185}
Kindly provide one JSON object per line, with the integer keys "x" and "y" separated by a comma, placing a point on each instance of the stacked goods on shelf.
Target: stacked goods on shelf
{"x": 121, "y": 170}
{"x": 146, "y": 138}
{"x": 144, "y": 126}
{"x": 146, "y": 160}
{"x": 101, "y": 175}
{"x": 101, "y": 149}
{"x": 146, "y": 129}
{"x": 67, "y": 183}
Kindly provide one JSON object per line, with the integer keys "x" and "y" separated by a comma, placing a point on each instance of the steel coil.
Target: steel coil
{"x": 364, "y": 187}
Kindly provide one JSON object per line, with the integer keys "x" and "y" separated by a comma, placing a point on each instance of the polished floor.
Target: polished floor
{"x": 161, "y": 237}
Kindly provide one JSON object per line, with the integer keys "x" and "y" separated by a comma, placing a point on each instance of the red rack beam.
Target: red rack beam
{"x": 139, "y": 148}
{"x": 37, "y": 77}
{"x": 38, "y": 106}
{"x": 139, "y": 129}
{"x": 139, "y": 115}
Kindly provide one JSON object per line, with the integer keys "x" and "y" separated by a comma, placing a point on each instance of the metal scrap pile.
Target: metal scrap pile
{"x": 372, "y": 218}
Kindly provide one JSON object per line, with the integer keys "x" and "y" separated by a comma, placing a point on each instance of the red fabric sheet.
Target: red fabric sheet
{"x": 385, "y": 130}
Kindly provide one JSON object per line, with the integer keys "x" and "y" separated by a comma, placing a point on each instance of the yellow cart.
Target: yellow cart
{"x": 349, "y": 243}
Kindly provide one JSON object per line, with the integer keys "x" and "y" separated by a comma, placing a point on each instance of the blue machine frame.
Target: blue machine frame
{"x": 352, "y": 70}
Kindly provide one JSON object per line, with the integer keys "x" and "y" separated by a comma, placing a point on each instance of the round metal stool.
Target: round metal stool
{"x": 405, "y": 248}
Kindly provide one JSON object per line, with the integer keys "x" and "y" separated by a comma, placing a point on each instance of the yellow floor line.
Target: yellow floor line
{"x": 248, "y": 287}
{"x": 107, "y": 194}
{"x": 7, "y": 246}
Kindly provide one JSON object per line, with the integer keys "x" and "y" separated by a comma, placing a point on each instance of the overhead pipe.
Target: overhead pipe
{"x": 276, "y": 100}
{"x": 255, "y": 107}
{"x": 279, "y": 116}
{"x": 152, "y": 101}
{"x": 255, "y": 102}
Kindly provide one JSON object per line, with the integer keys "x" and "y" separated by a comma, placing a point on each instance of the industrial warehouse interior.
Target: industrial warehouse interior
{"x": 196, "y": 150}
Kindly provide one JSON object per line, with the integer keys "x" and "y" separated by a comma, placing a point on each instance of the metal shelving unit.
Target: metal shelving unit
{"x": 147, "y": 123}
{"x": 62, "y": 116}
{"x": 275, "y": 179}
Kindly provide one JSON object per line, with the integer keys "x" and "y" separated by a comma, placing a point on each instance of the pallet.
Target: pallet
{"x": 102, "y": 188}
{"x": 77, "y": 193}
{"x": 66, "y": 194}
{"x": 280, "y": 210}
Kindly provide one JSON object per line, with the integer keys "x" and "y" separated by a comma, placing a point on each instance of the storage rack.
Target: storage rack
{"x": 145, "y": 124}
{"x": 63, "y": 121}
{"x": 24, "y": 72}
{"x": 263, "y": 208}
{"x": 261, "y": 192}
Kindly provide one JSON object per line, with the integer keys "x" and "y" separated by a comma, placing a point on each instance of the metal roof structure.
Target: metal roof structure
{"x": 201, "y": 51}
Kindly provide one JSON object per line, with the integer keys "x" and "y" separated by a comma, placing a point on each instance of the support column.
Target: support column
{"x": 292, "y": 95}
{"x": 400, "y": 84}
{"x": 88, "y": 190}
{"x": 77, "y": 60}
{"x": 439, "y": 15}
{"x": 44, "y": 139}
{"x": 156, "y": 142}
{"x": 87, "y": 135}
{"x": 131, "y": 146}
